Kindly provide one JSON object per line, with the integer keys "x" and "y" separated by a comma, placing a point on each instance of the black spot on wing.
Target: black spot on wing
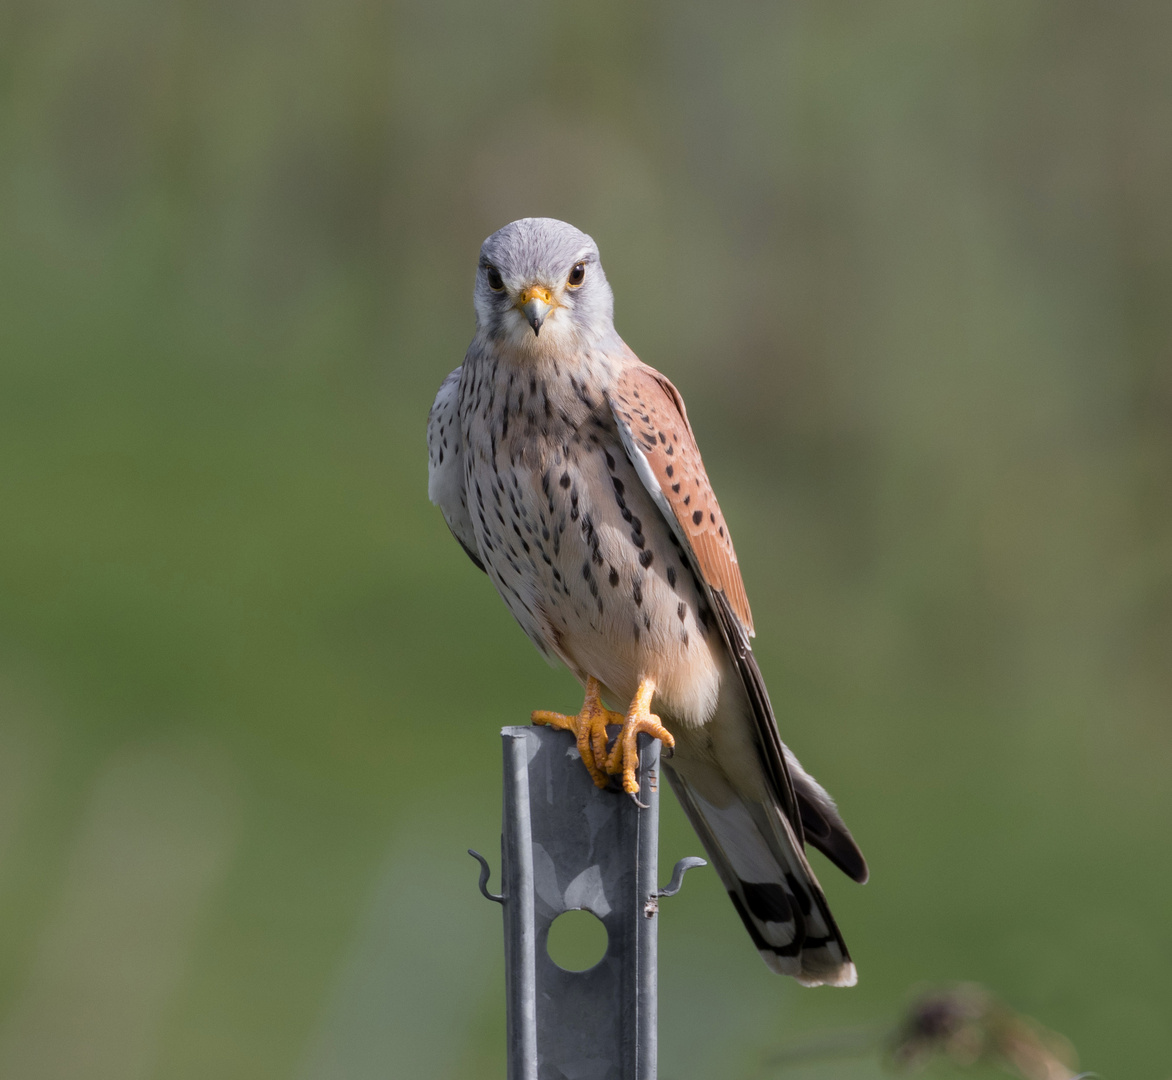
{"x": 793, "y": 948}
{"x": 767, "y": 901}
{"x": 802, "y": 894}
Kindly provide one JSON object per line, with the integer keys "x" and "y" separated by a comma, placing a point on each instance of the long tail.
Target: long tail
{"x": 771, "y": 885}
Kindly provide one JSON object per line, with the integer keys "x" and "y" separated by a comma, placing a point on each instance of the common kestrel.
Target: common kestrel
{"x": 568, "y": 471}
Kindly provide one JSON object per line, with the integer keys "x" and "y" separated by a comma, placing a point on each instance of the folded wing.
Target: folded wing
{"x": 445, "y": 464}
{"x": 653, "y": 424}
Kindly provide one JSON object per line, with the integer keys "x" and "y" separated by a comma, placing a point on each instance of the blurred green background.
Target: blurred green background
{"x": 910, "y": 265}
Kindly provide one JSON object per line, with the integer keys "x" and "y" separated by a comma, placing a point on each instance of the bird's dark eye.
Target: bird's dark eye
{"x": 495, "y": 281}
{"x": 577, "y": 275}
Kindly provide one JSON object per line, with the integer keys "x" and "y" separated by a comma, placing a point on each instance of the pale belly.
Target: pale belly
{"x": 590, "y": 569}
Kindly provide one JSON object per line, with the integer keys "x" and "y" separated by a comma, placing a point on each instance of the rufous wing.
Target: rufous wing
{"x": 658, "y": 438}
{"x": 653, "y": 425}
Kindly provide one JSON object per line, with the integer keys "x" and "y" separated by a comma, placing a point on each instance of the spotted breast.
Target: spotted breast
{"x": 573, "y": 539}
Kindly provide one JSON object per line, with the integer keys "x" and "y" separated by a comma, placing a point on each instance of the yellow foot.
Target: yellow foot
{"x": 590, "y": 728}
{"x": 625, "y": 755}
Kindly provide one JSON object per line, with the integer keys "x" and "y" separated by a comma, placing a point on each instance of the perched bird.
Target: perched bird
{"x": 568, "y": 471}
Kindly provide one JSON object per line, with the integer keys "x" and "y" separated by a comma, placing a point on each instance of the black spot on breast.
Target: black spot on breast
{"x": 671, "y": 576}
{"x": 609, "y": 460}
{"x": 645, "y": 558}
{"x": 670, "y": 470}
{"x": 682, "y": 610}
{"x": 697, "y": 516}
{"x": 565, "y": 480}
{"x": 614, "y": 577}
{"x": 618, "y": 485}
{"x": 675, "y": 488}
{"x": 637, "y": 593}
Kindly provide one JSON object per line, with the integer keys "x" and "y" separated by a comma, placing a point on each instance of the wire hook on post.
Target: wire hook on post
{"x": 685, "y": 864}
{"x": 651, "y": 907}
{"x": 485, "y": 872}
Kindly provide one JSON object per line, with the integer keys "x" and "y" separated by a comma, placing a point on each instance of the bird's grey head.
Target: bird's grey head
{"x": 540, "y": 287}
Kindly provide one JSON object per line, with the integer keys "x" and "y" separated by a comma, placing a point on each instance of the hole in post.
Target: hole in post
{"x": 577, "y": 940}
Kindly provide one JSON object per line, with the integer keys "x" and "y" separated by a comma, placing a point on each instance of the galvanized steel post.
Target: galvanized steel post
{"x": 566, "y": 845}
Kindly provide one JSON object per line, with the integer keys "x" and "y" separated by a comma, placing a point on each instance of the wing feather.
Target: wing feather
{"x": 445, "y": 465}
{"x": 659, "y": 440}
{"x": 653, "y": 424}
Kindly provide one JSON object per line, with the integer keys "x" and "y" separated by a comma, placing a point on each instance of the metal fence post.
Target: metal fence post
{"x": 567, "y": 845}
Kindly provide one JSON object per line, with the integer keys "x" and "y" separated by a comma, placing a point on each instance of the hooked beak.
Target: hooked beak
{"x": 535, "y": 303}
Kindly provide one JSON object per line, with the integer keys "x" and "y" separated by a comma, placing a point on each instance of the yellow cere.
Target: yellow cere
{"x": 536, "y": 292}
